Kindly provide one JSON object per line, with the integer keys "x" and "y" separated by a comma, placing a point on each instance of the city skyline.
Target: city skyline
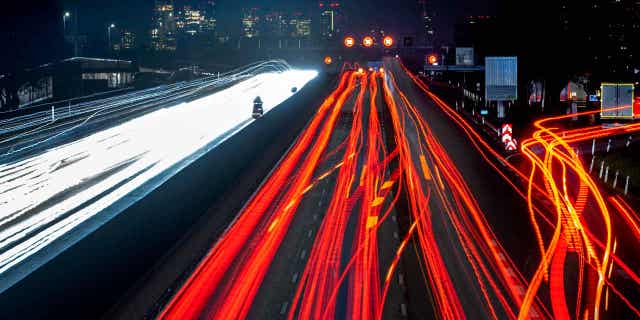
{"x": 37, "y": 24}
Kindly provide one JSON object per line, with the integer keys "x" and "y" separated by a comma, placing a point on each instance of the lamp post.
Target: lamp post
{"x": 66, "y": 15}
{"x": 111, "y": 26}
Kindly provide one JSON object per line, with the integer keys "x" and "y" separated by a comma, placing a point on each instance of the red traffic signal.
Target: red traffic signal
{"x": 367, "y": 42}
{"x": 349, "y": 42}
{"x": 432, "y": 59}
{"x": 387, "y": 41}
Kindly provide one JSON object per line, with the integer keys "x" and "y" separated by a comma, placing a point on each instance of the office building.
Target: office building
{"x": 428, "y": 30}
{"x": 250, "y": 23}
{"x": 163, "y": 30}
{"x": 300, "y": 26}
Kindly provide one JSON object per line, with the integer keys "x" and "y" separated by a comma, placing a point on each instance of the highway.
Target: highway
{"x": 322, "y": 238}
{"x": 60, "y": 175}
{"x": 575, "y": 224}
{"x": 388, "y": 205}
{"x": 454, "y": 206}
{"x": 391, "y": 205}
{"x": 330, "y": 188}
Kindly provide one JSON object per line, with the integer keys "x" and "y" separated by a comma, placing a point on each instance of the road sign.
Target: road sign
{"x": 617, "y": 100}
{"x": 507, "y": 128}
{"x": 464, "y": 57}
{"x": 501, "y": 78}
{"x": 506, "y": 133}
{"x": 511, "y": 145}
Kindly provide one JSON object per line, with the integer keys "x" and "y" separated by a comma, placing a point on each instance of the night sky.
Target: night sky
{"x": 399, "y": 15}
{"x": 35, "y": 26}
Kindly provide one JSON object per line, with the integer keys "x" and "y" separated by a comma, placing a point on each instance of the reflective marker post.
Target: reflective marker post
{"x": 626, "y": 186}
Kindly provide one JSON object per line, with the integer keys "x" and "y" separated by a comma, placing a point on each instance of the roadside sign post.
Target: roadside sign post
{"x": 626, "y": 186}
{"x": 506, "y": 132}
{"x": 501, "y": 81}
{"x": 617, "y": 101}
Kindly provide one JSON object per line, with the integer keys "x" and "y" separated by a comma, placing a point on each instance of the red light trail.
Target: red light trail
{"x": 557, "y": 167}
{"x": 475, "y": 236}
{"x": 575, "y": 224}
{"x": 193, "y": 297}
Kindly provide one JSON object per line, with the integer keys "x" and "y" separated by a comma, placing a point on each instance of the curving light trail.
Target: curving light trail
{"x": 585, "y": 224}
{"x": 580, "y": 218}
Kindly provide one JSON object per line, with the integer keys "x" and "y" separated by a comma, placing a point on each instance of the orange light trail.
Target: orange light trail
{"x": 575, "y": 214}
{"x": 200, "y": 288}
{"x": 569, "y": 214}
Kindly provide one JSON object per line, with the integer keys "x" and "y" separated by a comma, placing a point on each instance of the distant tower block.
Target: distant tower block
{"x": 426, "y": 16}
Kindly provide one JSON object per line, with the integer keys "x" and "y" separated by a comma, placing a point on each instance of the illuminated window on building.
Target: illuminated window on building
{"x": 114, "y": 79}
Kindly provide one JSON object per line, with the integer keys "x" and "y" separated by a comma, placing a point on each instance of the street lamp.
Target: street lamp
{"x": 111, "y": 26}
{"x": 65, "y": 16}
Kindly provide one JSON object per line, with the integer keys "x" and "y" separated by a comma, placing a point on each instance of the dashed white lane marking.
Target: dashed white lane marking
{"x": 403, "y": 310}
{"x": 283, "y": 309}
{"x": 395, "y": 235}
{"x": 309, "y": 234}
{"x": 401, "y": 279}
{"x": 294, "y": 279}
{"x": 520, "y": 289}
{"x": 303, "y": 254}
{"x": 315, "y": 217}
{"x": 393, "y": 217}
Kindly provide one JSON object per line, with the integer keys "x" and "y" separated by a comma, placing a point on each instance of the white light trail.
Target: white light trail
{"x": 48, "y": 195}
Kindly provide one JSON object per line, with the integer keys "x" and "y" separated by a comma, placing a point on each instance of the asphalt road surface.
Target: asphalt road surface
{"x": 381, "y": 209}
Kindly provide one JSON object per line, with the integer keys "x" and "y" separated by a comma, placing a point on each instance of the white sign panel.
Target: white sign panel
{"x": 617, "y": 100}
{"x": 465, "y": 57}
{"x": 501, "y": 76}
